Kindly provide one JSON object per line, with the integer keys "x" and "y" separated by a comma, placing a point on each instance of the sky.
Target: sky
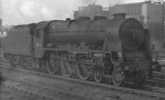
{"x": 15, "y": 12}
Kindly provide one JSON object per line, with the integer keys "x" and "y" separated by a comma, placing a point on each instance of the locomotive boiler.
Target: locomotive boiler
{"x": 83, "y": 48}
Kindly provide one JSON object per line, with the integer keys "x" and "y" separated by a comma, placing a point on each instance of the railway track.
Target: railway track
{"x": 9, "y": 92}
{"x": 158, "y": 77}
{"x": 39, "y": 91}
{"x": 46, "y": 86}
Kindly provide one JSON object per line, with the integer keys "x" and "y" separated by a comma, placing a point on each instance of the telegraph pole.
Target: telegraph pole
{"x": 1, "y": 52}
{"x": 3, "y": 33}
{"x": 163, "y": 22}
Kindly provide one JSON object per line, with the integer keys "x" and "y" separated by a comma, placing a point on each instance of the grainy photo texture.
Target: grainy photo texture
{"x": 82, "y": 50}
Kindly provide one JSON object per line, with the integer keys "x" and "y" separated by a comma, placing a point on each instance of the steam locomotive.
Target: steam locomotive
{"x": 83, "y": 48}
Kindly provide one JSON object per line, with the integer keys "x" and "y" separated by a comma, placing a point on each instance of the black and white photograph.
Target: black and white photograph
{"x": 82, "y": 49}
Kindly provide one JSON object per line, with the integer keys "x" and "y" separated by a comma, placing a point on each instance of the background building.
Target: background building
{"x": 90, "y": 11}
{"x": 151, "y": 14}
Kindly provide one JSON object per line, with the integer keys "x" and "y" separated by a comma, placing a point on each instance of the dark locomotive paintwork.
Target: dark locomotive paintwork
{"x": 18, "y": 40}
{"x": 39, "y": 34}
{"x": 83, "y": 46}
{"x": 151, "y": 14}
{"x": 90, "y": 32}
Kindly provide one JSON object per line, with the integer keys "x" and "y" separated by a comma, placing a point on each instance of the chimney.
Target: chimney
{"x": 100, "y": 18}
{"x": 119, "y": 16}
{"x": 83, "y": 18}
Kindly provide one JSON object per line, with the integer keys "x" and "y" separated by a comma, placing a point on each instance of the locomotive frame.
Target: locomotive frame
{"x": 98, "y": 54}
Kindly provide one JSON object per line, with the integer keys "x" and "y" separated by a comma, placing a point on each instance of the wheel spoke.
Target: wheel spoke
{"x": 82, "y": 72}
{"x": 65, "y": 68}
{"x": 118, "y": 77}
{"x": 12, "y": 60}
{"x": 53, "y": 66}
{"x": 68, "y": 69}
{"x": 98, "y": 75}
